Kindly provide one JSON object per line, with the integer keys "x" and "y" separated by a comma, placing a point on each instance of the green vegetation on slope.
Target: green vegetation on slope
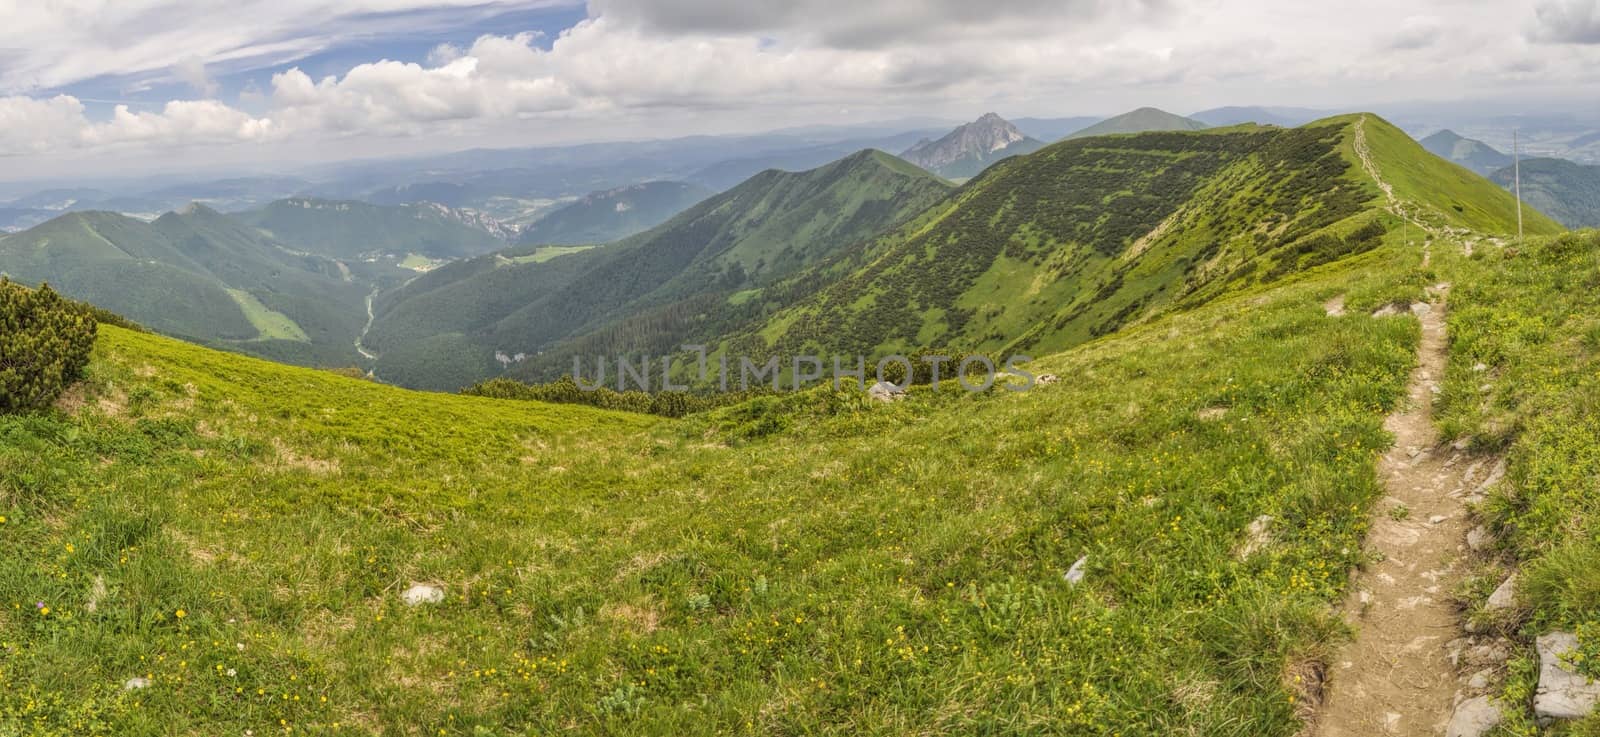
{"x": 1038, "y": 252}
{"x": 44, "y": 346}
{"x": 200, "y": 275}
{"x": 1449, "y": 195}
{"x": 348, "y": 230}
{"x": 603, "y": 217}
{"x": 238, "y": 533}
{"x": 769, "y": 227}
{"x": 1524, "y": 362}
{"x": 1568, "y": 192}
{"x": 1088, "y": 235}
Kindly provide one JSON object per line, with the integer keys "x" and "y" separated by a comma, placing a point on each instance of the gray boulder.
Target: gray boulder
{"x": 421, "y": 593}
{"x": 1504, "y": 596}
{"x": 1563, "y": 693}
{"x": 1474, "y": 718}
{"x": 884, "y": 391}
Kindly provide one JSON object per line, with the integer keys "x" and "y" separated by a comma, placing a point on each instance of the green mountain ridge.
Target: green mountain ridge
{"x": 1054, "y": 249}
{"x": 1158, "y": 543}
{"x": 773, "y": 225}
{"x": 198, "y": 274}
{"x": 603, "y": 217}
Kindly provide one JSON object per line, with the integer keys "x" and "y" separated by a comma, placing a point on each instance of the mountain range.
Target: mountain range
{"x": 441, "y": 330}
{"x": 354, "y": 230}
{"x": 199, "y": 274}
{"x": 1475, "y": 155}
{"x": 1142, "y": 120}
{"x": 971, "y": 148}
{"x": 602, "y": 217}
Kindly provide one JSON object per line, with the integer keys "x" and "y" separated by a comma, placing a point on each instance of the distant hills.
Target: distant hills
{"x": 1568, "y": 192}
{"x": 350, "y": 230}
{"x": 971, "y": 148}
{"x": 199, "y": 274}
{"x": 661, "y": 285}
{"x": 614, "y": 214}
{"x": 1053, "y": 129}
{"x": 1475, "y": 155}
{"x": 1286, "y": 117}
{"x": 1142, "y": 120}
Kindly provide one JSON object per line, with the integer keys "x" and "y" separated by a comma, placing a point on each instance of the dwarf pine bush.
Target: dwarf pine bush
{"x": 44, "y": 345}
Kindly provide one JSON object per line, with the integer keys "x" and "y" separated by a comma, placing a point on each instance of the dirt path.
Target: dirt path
{"x": 1397, "y": 678}
{"x": 1395, "y": 204}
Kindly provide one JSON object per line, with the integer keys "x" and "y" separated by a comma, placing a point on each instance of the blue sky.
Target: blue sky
{"x": 400, "y": 36}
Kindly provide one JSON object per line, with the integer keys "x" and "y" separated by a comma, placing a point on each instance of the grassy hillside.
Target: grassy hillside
{"x": 239, "y": 534}
{"x": 603, "y": 217}
{"x": 197, "y": 274}
{"x": 767, "y": 228}
{"x": 1567, "y": 192}
{"x": 1143, "y": 120}
{"x": 350, "y": 230}
{"x": 1088, "y": 235}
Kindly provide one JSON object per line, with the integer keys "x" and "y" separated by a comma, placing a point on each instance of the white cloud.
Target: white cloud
{"x": 191, "y": 70}
{"x": 637, "y": 62}
{"x": 67, "y": 41}
{"x": 34, "y": 126}
{"x": 1567, "y": 21}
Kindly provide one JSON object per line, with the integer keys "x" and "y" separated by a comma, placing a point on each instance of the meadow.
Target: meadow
{"x": 239, "y": 534}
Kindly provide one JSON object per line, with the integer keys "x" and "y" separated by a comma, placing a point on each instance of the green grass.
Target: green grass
{"x": 269, "y": 324}
{"x": 545, "y": 253}
{"x": 1524, "y": 378}
{"x": 419, "y": 262}
{"x": 803, "y": 564}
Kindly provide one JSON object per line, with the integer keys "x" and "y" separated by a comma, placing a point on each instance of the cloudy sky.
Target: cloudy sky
{"x": 115, "y": 83}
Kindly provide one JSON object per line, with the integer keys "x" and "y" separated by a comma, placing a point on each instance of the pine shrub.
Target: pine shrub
{"x": 44, "y": 345}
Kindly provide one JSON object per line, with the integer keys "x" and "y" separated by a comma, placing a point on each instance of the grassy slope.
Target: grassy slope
{"x": 1451, "y": 195}
{"x": 1531, "y": 320}
{"x": 811, "y": 564}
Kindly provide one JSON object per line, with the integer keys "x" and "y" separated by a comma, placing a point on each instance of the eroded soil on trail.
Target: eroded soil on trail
{"x": 1398, "y": 676}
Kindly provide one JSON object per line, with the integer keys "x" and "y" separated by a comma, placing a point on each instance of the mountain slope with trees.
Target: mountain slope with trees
{"x": 1070, "y": 243}
{"x": 1566, "y": 191}
{"x": 603, "y": 217}
{"x": 350, "y": 230}
{"x": 773, "y": 225}
{"x": 199, "y": 274}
